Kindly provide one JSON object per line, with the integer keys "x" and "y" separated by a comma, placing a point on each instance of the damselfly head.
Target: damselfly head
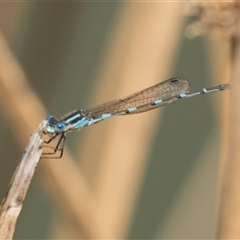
{"x": 54, "y": 126}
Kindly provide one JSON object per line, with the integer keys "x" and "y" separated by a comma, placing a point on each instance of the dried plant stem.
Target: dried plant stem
{"x": 230, "y": 202}
{"x": 13, "y": 202}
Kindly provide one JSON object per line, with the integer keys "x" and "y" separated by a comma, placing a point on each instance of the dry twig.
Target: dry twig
{"x": 13, "y": 202}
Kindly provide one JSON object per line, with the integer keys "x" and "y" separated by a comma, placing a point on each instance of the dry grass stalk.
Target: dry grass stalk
{"x": 13, "y": 202}
{"x": 225, "y": 17}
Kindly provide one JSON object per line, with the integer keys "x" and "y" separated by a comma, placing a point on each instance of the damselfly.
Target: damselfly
{"x": 163, "y": 93}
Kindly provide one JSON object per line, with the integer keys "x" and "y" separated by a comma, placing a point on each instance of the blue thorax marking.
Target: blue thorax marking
{"x": 69, "y": 120}
{"x": 81, "y": 123}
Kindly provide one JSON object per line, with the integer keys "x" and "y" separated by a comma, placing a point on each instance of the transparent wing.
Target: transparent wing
{"x": 144, "y": 100}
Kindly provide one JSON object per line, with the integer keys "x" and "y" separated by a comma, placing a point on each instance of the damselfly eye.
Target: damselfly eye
{"x": 60, "y": 127}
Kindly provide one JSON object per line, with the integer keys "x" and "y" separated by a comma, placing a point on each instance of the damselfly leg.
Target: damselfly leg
{"x": 53, "y": 147}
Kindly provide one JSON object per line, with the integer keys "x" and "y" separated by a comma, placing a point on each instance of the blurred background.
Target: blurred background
{"x": 147, "y": 176}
